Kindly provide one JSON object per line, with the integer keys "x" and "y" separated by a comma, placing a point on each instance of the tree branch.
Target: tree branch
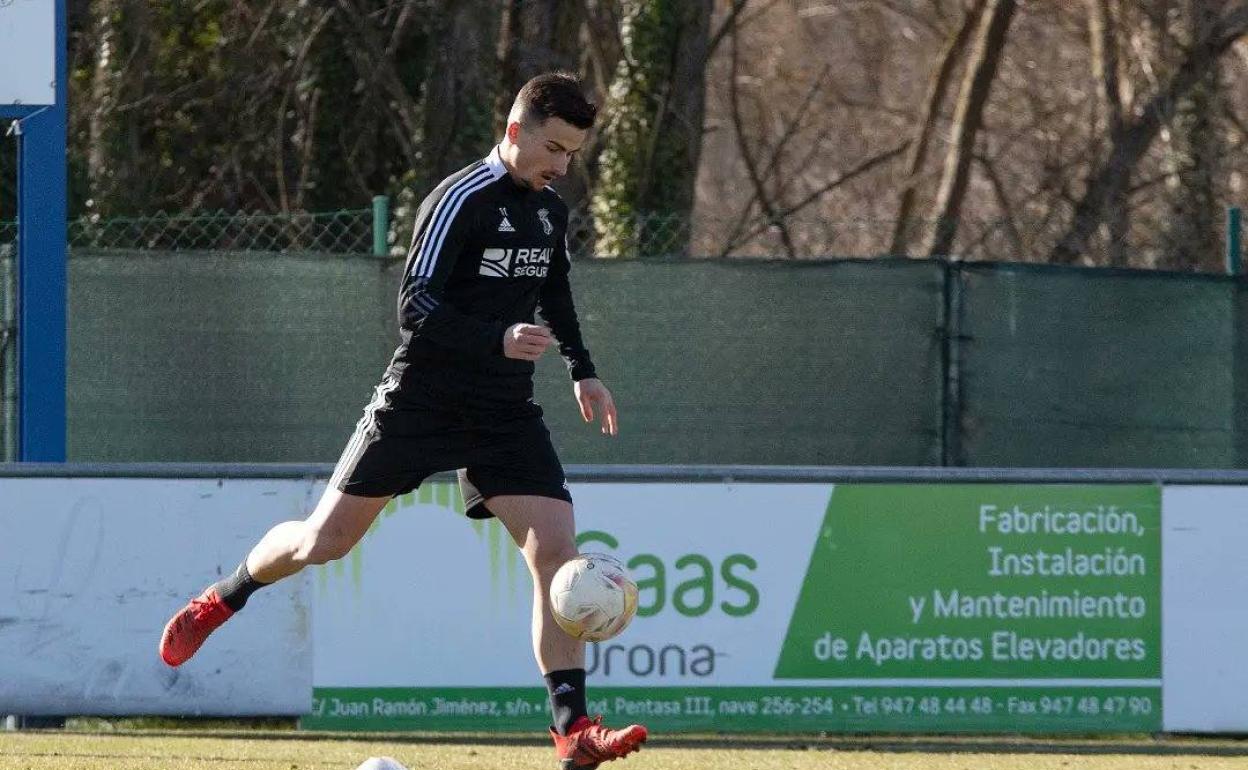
{"x": 1003, "y": 202}
{"x": 980, "y": 73}
{"x": 1108, "y": 181}
{"x": 941, "y": 79}
{"x": 729, "y": 25}
{"x": 760, "y": 190}
{"x": 862, "y": 168}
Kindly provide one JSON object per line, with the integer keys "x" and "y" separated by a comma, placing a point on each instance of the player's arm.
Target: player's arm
{"x": 422, "y": 304}
{"x": 554, "y": 303}
{"x": 557, "y": 308}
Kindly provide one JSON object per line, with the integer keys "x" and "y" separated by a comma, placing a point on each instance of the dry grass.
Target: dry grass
{"x": 275, "y": 750}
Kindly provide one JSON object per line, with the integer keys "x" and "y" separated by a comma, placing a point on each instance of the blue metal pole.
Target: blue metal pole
{"x": 42, "y": 281}
{"x": 1234, "y": 242}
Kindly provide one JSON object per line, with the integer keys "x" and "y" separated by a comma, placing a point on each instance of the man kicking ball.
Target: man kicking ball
{"x": 488, "y": 251}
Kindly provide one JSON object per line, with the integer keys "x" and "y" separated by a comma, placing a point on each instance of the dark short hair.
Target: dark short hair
{"x": 556, "y": 95}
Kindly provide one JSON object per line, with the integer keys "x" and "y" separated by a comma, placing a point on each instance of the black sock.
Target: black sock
{"x": 237, "y": 588}
{"x": 567, "y": 697}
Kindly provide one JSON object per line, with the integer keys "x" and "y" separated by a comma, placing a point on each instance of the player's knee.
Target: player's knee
{"x": 318, "y": 547}
{"x": 550, "y": 556}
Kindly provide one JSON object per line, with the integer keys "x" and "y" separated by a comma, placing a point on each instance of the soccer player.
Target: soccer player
{"x": 489, "y": 249}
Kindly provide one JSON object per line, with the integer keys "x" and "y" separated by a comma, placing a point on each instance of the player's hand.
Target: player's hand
{"x": 526, "y": 342}
{"x": 592, "y": 393}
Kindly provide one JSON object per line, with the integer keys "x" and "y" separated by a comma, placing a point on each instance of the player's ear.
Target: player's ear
{"x": 513, "y": 131}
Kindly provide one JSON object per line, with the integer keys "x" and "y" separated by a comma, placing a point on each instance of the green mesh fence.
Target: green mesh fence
{"x": 829, "y": 363}
{"x": 221, "y": 356}
{"x": 215, "y": 357}
{"x": 656, "y": 235}
{"x": 341, "y": 232}
{"x": 349, "y": 231}
{"x": 1083, "y": 368}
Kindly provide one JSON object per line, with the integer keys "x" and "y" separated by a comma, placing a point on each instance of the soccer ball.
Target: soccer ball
{"x": 592, "y": 597}
{"x": 381, "y": 763}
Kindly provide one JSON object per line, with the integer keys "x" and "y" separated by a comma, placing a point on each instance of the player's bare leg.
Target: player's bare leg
{"x": 330, "y": 532}
{"x": 545, "y": 531}
{"x": 333, "y": 529}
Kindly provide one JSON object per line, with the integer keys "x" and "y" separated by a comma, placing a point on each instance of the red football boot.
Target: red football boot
{"x": 588, "y": 743}
{"x": 186, "y": 631}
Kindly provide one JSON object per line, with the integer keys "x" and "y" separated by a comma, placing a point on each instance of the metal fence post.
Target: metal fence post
{"x": 8, "y": 356}
{"x": 951, "y": 402}
{"x": 381, "y": 224}
{"x": 1239, "y": 352}
{"x": 1234, "y": 242}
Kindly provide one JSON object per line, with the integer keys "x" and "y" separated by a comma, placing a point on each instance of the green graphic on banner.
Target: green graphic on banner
{"x": 746, "y": 709}
{"x": 922, "y": 608}
{"x": 982, "y": 581}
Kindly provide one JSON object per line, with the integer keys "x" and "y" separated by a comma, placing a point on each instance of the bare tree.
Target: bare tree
{"x": 768, "y": 175}
{"x": 1107, "y": 181}
{"x": 653, "y": 135}
{"x": 968, "y": 116}
{"x": 1103, "y": 45}
{"x": 1194, "y": 149}
{"x": 821, "y": 121}
{"x": 535, "y": 36}
{"x": 103, "y": 97}
{"x": 301, "y": 99}
{"x": 840, "y": 180}
{"x": 761, "y": 195}
{"x": 942, "y": 78}
{"x": 802, "y": 136}
{"x": 459, "y": 93}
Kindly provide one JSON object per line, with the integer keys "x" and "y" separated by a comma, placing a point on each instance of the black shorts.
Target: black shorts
{"x": 393, "y": 450}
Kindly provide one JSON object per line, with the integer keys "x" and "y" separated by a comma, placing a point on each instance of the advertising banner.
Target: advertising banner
{"x": 798, "y": 607}
{"x": 92, "y": 568}
{"x": 1206, "y": 622}
{"x": 27, "y": 52}
{"x": 769, "y": 607}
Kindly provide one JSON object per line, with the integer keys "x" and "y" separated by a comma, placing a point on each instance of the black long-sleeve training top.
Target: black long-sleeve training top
{"x": 486, "y": 253}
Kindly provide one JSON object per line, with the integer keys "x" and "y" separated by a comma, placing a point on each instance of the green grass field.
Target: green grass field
{"x": 286, "y": 750}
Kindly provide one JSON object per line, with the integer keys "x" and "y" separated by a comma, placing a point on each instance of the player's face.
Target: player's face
{"x": 544, "y": 151}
